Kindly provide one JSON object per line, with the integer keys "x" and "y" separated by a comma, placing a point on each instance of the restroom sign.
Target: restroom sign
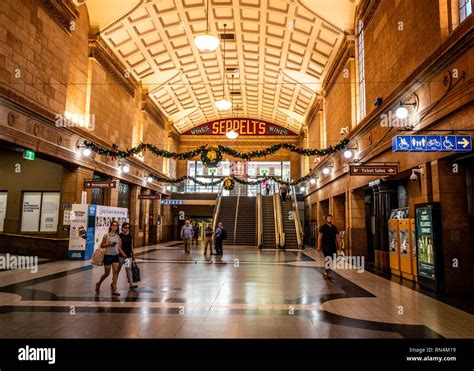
{"x": 432, "y": 143}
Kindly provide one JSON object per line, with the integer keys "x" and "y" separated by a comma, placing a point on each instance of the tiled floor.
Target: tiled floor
{"x": 247, "y": 294}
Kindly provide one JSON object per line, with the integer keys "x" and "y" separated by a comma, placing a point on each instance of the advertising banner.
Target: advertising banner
{"x": 424, "y": 242}
{"x": 243, "y": 126}
{"x": 30, "y": 211}
{"x": 50, "y": 212}
{"x": 429, "y": 246}
{"x": 3, "y": 208}
{"x": 104, "y": 216}
{"x": 77, "y": 232}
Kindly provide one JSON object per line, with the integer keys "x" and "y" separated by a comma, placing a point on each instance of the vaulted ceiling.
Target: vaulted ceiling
{"x": 278, "y": 56}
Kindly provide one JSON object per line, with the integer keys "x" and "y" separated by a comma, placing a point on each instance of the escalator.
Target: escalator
{"x": 246, "y": 231}
{"x": 268, "y": 223}
{"x": 289, "y": 226}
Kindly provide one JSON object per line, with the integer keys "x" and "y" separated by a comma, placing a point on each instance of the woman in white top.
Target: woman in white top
{"x": 113, "y": 249}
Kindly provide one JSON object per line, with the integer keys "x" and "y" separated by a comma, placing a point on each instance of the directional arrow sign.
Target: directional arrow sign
{"x": 100, "y": 184}
{"x": 432, "y": 143}
{"x": 371, "y": 170}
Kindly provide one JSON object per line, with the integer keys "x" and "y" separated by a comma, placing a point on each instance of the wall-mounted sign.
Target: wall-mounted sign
{"x": 243, "y": 126}
{"x": 3, "y": 208}
{"x": 28, "y": 155}
{"x": 100, "y": 184}
{"x": 432, "y": 143}
{"x": 370, "y": 170}
{"x": 171, "y": 202}
{"x": 149, "y": 197}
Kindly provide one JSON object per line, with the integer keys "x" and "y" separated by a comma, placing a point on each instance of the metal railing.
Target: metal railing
{"x": 218, "y": 207}
{"x": 259, "y": 221}
{"x": 279, "y": 234}
{"x": 296, "y": 215}
{"x": 237, "y": 211}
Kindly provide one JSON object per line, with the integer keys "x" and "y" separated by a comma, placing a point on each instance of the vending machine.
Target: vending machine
{"x": 406, "y": 249}
{"x": 429, "y": 246}
{"x": 394, "y": 247}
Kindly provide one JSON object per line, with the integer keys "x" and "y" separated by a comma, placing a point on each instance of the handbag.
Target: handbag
{"x": 135, "y": 272}
{"x": 98, "y": 256}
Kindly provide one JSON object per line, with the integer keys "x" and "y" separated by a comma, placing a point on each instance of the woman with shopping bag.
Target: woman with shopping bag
{"x": 113, "y": 248}
{"x": 129, "y": 256}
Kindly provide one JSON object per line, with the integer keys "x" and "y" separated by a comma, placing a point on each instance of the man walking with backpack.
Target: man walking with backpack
{"x": 220, "y": 236}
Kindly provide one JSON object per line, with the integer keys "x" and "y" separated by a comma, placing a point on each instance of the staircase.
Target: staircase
{"x": 291, "y": 241}
{"x": 268, "y": 221}
{"x": 246, "y": 221}
{"x": 227, "y": 217}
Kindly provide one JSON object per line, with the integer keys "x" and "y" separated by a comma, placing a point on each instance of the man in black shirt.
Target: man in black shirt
{"x": 329, "y": 241}
{"x": 127, "y": 249}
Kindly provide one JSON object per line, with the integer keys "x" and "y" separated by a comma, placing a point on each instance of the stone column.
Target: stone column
{"x": 71, "y": 192}
{"x": 112, "y": 195}
{"x": 357, "y": 230}
{"x": 450, "y": 189}
{"x": 134, "y": 212}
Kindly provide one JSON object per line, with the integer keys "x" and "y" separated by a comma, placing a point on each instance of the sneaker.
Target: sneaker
{"x": 133, "y": 286}
{"x": 115, "y": 293}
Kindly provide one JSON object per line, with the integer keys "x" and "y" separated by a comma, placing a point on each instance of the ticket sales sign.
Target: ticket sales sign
{"x": 243, "y": 126}
{"x": 432, "y": 143}
{"x": 371, "y": 170}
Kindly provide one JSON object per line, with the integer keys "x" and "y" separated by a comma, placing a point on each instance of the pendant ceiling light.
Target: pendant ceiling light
{"x": 232, "y": 134}
{"x": 206, "y": 42}
{"x": 223, "y": 104}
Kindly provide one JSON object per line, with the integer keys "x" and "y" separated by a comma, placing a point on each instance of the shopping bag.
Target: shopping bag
{"x": 135, "y": 272}
{"x": 98, "y": 256}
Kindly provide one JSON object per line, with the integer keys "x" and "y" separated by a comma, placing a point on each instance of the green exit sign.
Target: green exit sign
{"x": 264, "y": 172}
{"x": 212, "y": 171}
{"x": 28, "y": 155}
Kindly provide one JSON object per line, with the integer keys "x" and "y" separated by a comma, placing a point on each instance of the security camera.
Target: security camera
{"x": 413, "y": 176}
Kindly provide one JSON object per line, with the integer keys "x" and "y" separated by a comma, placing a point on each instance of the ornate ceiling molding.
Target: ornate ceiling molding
{"x": 62, "y": 12}
{"x": 149, "y": 106}
{"x": 346, "y": 52}
{"x": 103, "y": 55}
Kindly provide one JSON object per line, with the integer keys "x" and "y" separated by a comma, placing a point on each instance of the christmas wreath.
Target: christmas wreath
{"x": 211, "y": 156}
{"x": 229, "y": 184}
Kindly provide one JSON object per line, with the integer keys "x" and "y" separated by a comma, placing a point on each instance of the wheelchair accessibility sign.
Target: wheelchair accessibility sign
{"x": 432, "y": 143}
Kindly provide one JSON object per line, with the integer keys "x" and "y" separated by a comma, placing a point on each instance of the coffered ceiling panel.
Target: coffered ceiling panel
{"x": 274, "y": 64}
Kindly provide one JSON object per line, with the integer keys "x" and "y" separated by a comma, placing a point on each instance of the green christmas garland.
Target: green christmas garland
{"x": 211, "y": 156}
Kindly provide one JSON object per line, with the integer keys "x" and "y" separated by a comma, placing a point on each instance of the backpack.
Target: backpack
{"x": 223, "y": 233}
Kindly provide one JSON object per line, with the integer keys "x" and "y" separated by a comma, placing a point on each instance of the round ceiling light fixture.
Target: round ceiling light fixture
{"x": 223, "y": 105}
{"x": 348, "y": 153}
{"x": 326, "y": 171}
{"x": 206, "y": 42}
{"x": 312, "y": 181}
{"x": 149, "y": 179}
{"x": 86, "y": 152}
{"x": 232, "y": 134}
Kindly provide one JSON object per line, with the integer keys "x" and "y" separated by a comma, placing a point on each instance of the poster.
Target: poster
{"x": 424, "y": 242}
{"x": 104, "y": 216}
{"x": 30, "y": 211}
{"x": 3, "y": 208}
{"x": 50, "y": 212}
{"x": 77, "y": 232}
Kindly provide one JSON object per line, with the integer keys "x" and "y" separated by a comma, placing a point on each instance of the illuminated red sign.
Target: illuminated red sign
{"x": 240, "y": 125}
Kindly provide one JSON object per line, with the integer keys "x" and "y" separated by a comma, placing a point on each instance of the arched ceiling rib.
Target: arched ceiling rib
{"x": 272, "y": 38}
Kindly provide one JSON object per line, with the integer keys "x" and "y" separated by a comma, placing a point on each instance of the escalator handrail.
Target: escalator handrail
{"x": 259, "y": 220}
{"x": 297, "y": 220}
{"x": 236, "y": 213}
{"x": 218, "y": 207}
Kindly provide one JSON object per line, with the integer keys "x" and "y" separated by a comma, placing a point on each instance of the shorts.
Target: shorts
{"x": 109, "y": 259}
{"x": 329, "y": 251}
